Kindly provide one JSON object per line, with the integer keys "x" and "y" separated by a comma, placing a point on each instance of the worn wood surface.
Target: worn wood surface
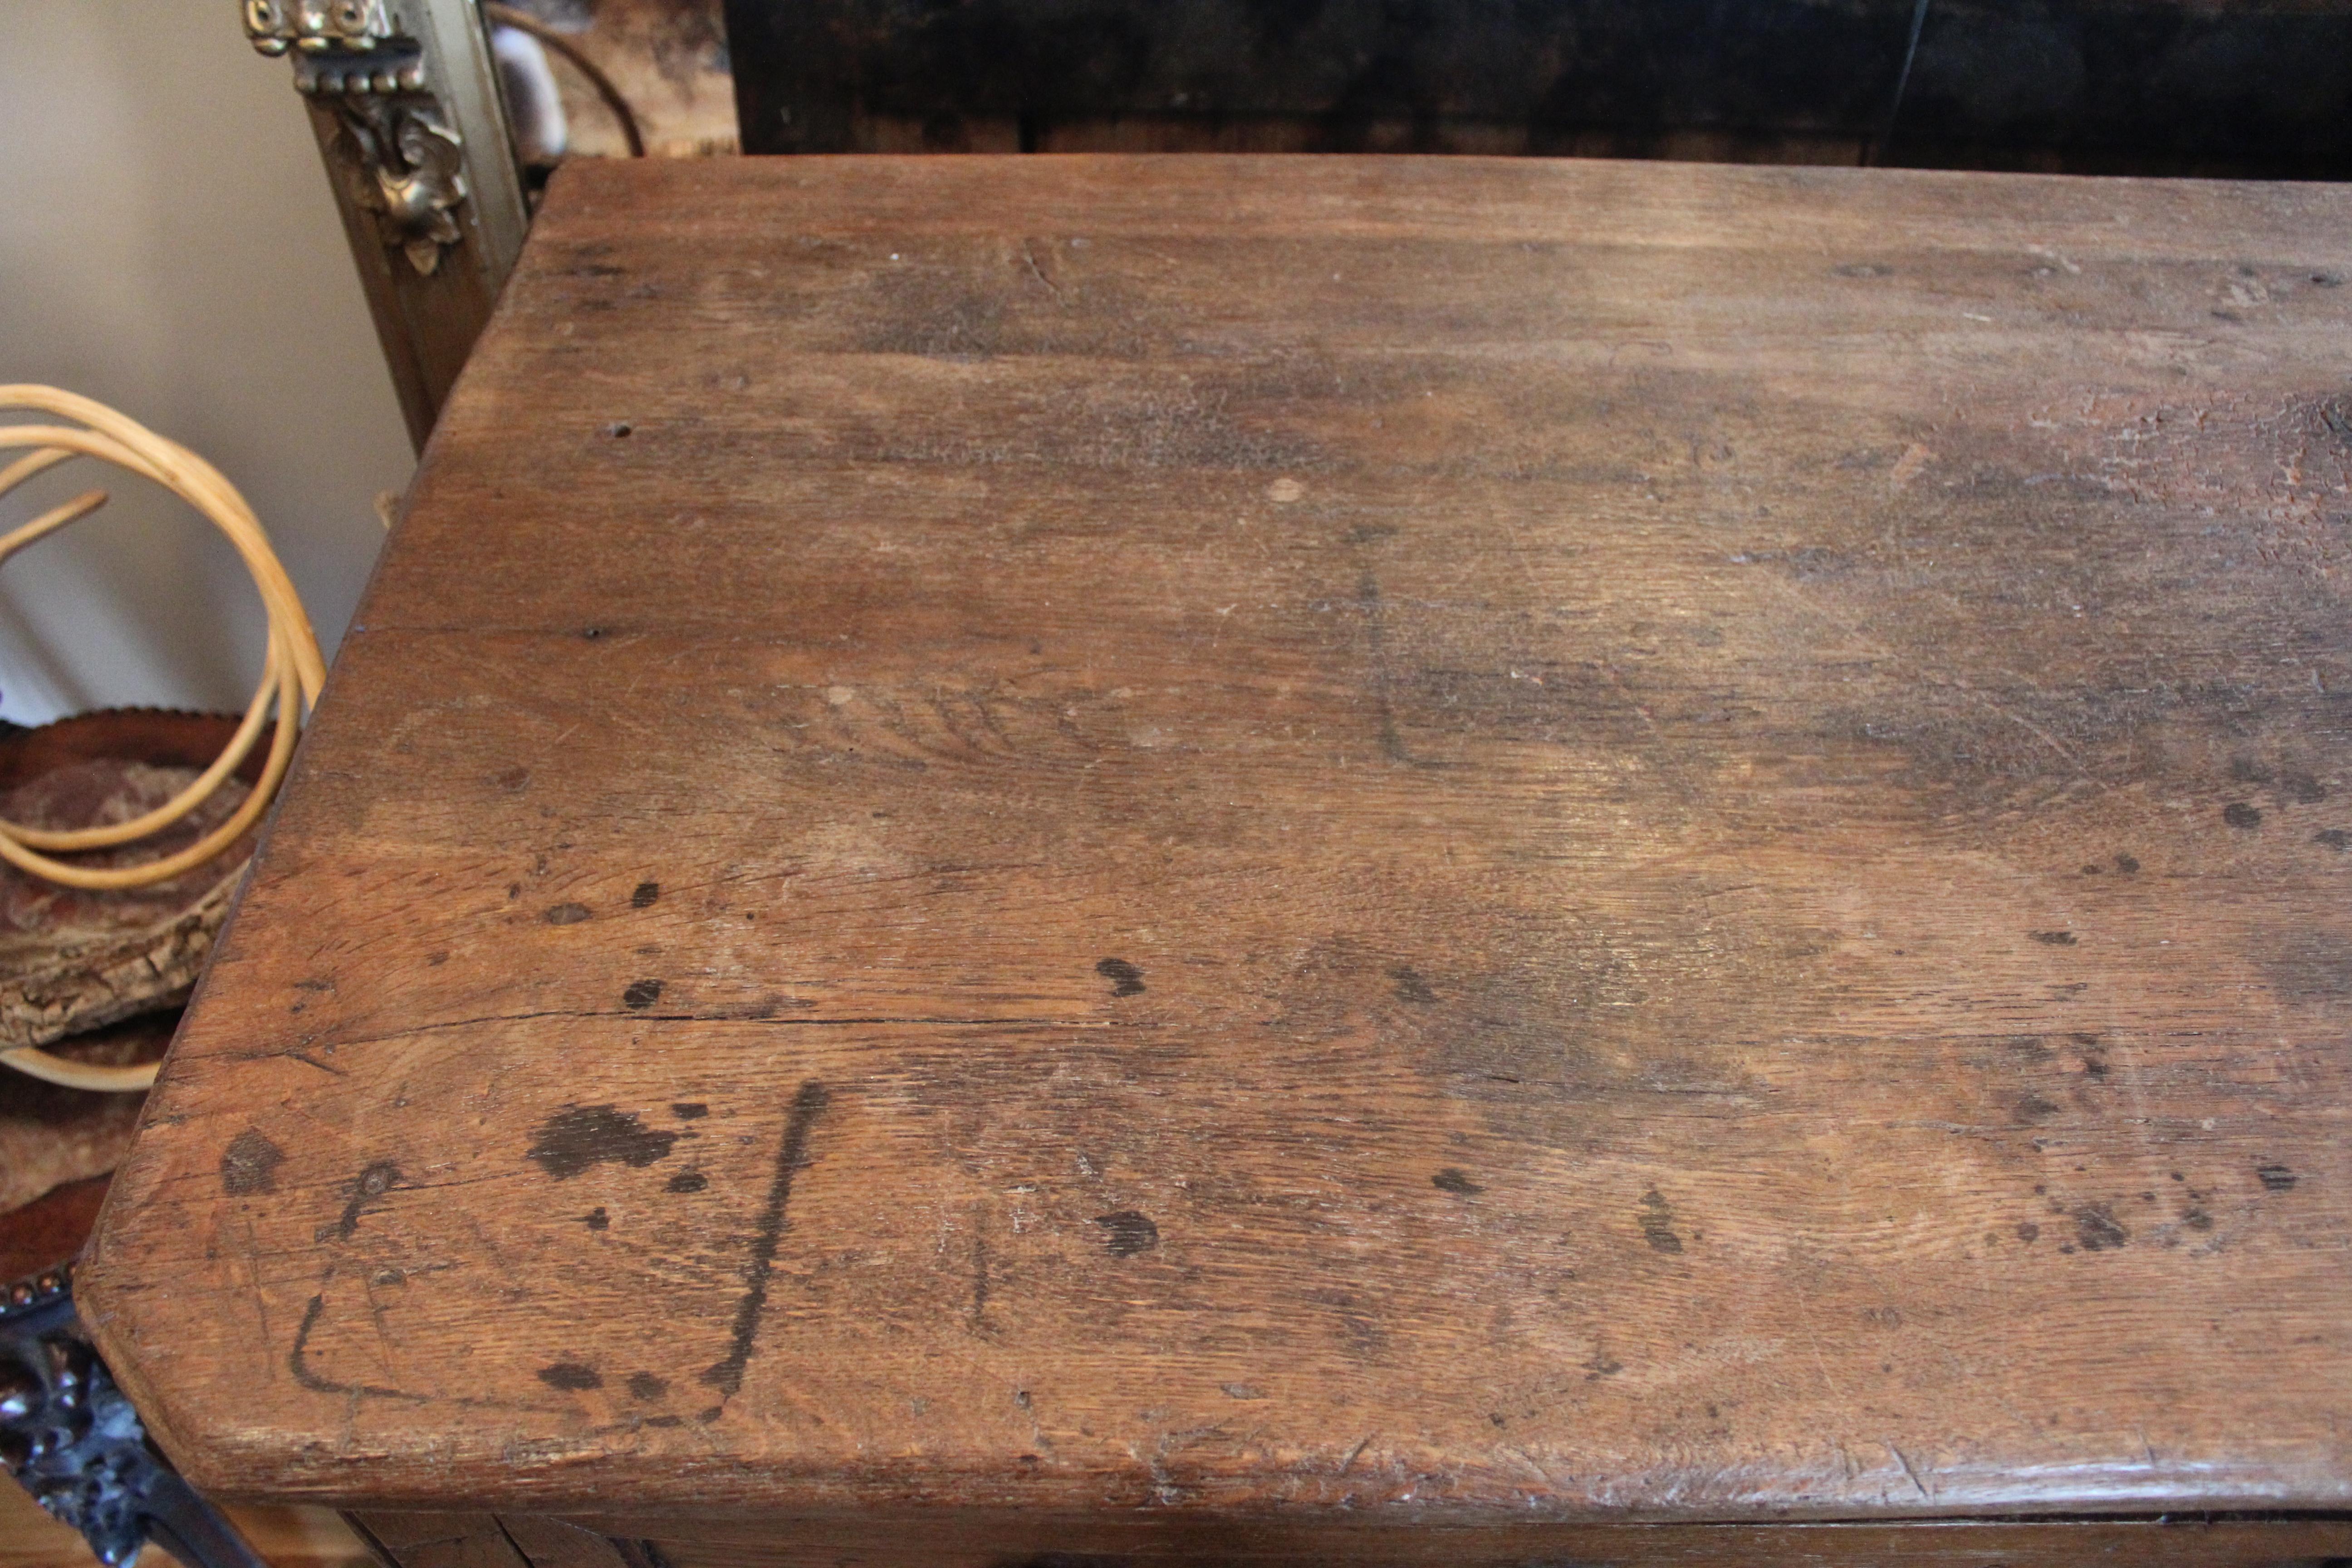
{"x": 1385, "y": 844}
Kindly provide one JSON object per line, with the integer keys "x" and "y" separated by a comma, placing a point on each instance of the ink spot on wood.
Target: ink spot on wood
{"x": 642, "y": 993}
{"x": 645, "y": 896}
{"x": 2098, "y": 1230}
{"x": 1658, "y": 1223}
{"x": 571, "y": 1376}
{"x": 596, "y": 1219}
{"x": 1130, "y": 1232}
{"x": 2238, "y": 814}
{"x": 361, "y": 1195}
{"x": 1453, "y": 1180}
{"x": 1125, "y": 978}
{"x": 249, "y": 1164}
{"x": 645, "y": 1385}
{"x": 1410, "y": 986}
{"x": 689, "y": 1110}
{"x": 2275, "y": 1178}
{"x": 2029, "y": 1232}
{"x": 2054, "y": 937}
{"x": 581, "y": 1136}
{"x": 688, "y": 1182}
{"x": 2336, "y": 838}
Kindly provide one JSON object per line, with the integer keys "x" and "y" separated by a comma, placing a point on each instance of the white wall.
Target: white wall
{"x": 168, "y": 245}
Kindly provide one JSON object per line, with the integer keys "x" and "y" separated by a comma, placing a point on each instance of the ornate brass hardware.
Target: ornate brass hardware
{"x": 397, "y": 155}
{"x": 405, "y": 165}
{"x": 277, "y": 26}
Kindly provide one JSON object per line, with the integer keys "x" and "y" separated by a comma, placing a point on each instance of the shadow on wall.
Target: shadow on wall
{"x": 170, "y": 246}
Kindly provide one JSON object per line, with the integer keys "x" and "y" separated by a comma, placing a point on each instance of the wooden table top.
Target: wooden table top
{"x": 1427, "y": 841}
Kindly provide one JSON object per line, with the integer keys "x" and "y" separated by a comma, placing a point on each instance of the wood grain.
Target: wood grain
{"x": 1373, "y": 846}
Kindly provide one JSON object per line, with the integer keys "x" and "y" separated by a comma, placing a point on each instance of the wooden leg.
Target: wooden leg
{"x": 436, "y": 1539}
{"x": 494, "y": 1541}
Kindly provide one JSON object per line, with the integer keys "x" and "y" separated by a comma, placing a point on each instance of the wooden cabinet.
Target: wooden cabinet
{"x": 1327, "y": 860}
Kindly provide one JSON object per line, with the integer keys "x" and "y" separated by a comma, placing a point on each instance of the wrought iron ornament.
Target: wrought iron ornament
{"x": 396, "y": 151}
{"x": 71, "y": 1438}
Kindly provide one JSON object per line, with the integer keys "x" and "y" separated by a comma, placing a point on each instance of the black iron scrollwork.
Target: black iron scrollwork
{"x": 70, "y": 1436}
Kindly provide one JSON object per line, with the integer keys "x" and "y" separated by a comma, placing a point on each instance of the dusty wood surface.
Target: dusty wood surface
{"x": 1371, "y": 844}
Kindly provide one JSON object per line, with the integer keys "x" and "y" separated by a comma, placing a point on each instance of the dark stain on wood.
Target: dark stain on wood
{"x": 1126, "y": 979}
{"x": 1658, "y": 1223}
{"x": 566, "y": 914}
{"x": 2097, "y": 1228}
{"x": 571, "y": 1375}
{"x": 641, "y": 994}
{"x": 1128, "y": 1231}
{"x": 580, "y": 1136}
{"x": 249, "y": 1164}
{"x": 1410, "y": 986}
{"x": 363, "y": 1193}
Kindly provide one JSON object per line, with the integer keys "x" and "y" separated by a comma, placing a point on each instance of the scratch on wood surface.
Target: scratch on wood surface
{"x": 726, "y": 1374}
{"x": 1349, "y": 1462}
{"x": 298, "y": 1361}
{"x": 1029, "y": 254}
{"x": 1901, "y": 1459}
{"x": 637, "y": 1017}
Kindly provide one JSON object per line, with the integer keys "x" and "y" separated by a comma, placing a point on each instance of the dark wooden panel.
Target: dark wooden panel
{"x": 2123, "y": 86}
{"x": 1079, "y": 1544}
{"x": 1362, "y": 846}
{"x": 2095, "y": 86}
{"x": 437, "y": 1540}
{"x": 554, "y": 1543}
